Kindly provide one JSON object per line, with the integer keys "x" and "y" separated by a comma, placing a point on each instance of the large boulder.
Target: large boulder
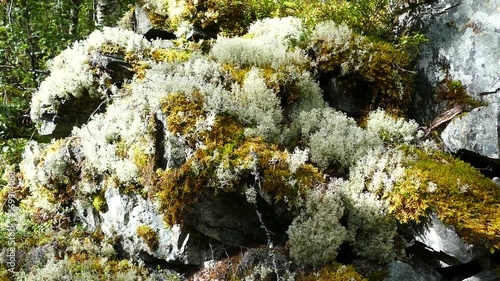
{"x": 463, "y": 46}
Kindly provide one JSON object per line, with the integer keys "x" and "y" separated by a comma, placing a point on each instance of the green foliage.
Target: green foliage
{"x": 31, "y": 33}
{"x": 455, "y": 93}
{"x": 230, "y": 18}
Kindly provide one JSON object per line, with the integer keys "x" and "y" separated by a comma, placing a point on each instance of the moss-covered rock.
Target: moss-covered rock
{"x": 189, "y": 137}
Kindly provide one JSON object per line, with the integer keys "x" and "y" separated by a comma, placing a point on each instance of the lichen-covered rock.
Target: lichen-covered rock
{"x": 232, "y": 146}
{"x": 143, "y": 25}
{"x": 463, "y": 39}
{"x": 126, "y": 213}
{"x": 477, "y": 131}
{"x": 83, "y": 77}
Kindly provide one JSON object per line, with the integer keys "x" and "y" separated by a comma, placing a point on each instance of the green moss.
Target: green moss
{"x": 111, "y": 49}
{"x": 99, "y": 202}
{"x": 334, "y": 272}
{"x": 455, "y": 93}
{"x": 459, "y": 194}
{"x": 236, "y": 73}
{"x": 378, "y": 275}
{"x": 183, "y": 114}
{"x": 149, "y": 235}
{"x": 223, "y": 17}
{"x": 232, "y": 18}
{"x": 121, "y": 149}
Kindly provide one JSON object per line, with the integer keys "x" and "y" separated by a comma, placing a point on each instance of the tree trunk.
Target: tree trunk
{"x": 74, "y": 14}
{"x": 105, "y": 11}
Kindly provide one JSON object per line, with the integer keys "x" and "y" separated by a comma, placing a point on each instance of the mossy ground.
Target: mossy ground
{"x": 334, "y": 272}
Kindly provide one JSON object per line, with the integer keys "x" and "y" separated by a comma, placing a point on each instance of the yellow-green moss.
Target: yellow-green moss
{"x": 227, "y": 145}
{"x": 183, "y": 114}
{"x": 380, "y": 67}
{"x": 170, "y": 55}
{"x": 149, "y": 235}
{"x": 121, "y": 149}
{"x": 232, "y": 18}
{"x": 224, "y": 17}
{"x": 111, "y": 49}
{"x": 459, "y": 194}
{"x": 334, "y": 272}
{"x": 99, "y": 202}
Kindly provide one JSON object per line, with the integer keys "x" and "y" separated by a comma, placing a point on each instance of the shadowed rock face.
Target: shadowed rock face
{"x": 228, "y": 218}
{"x": 57, "y": 121}
{"x": 352, "y": 101}
{"x": 71, "y": 113}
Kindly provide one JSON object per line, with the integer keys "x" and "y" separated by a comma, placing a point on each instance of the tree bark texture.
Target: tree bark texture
{"x": 105, "y": 11}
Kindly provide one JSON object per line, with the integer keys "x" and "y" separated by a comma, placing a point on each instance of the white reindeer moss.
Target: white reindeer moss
{"x": 71, "y": 74}
{"x": 392, "y": 129}
{"x": 268, "y": 43}
{"x": 316, "y": 234}
{"x": 334, "y": 138}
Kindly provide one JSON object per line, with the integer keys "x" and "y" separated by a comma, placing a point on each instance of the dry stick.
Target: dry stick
{"x": 443, "y": 118}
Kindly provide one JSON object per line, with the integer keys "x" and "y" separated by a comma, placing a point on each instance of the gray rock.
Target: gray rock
{"x": 142, "y": 22}
{"x": 399, "y": 270}
{"x": 227, "y": 217}
{"x": 463, "y": 45}
{"x": 87, "y": 214}
{"x": 443, "y": 238}
{"x": 144, "y": 26}
{"x": 265, "y": 264}
{"x": 478, "y": 131}
{"x": 484, "y": 276}
{"x": 127, "y": 212}
{"x": 496, "y": 180}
